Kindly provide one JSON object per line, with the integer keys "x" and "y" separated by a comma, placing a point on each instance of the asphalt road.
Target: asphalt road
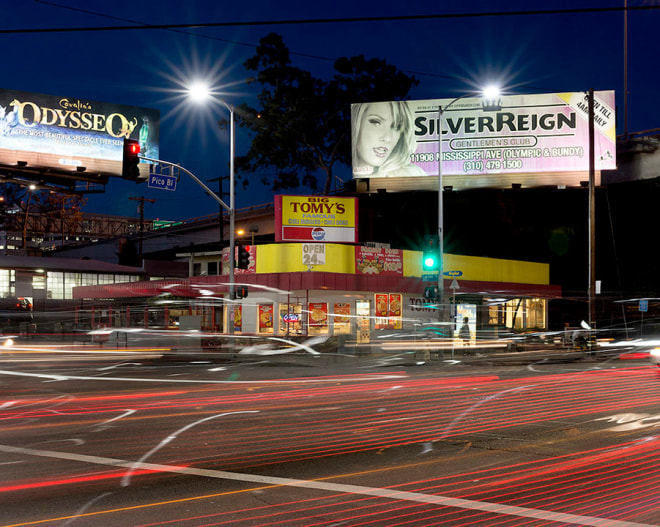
{"x": 92, "y": 437}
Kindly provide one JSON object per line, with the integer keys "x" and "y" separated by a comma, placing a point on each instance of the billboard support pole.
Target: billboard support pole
{"x": 592, "y": 217}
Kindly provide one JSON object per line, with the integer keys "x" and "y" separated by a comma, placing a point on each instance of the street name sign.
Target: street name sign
{"x": 162, "y": 182}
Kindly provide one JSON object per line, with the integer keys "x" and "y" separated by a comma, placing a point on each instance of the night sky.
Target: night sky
{"x": 524, "y": 53}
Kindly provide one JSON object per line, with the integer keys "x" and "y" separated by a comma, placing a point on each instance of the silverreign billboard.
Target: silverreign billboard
{"x": 529, "y": 139}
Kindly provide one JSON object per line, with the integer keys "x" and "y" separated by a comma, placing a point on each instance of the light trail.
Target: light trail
{"x": 66, "y": 377}
{"x": 385, "y": 493}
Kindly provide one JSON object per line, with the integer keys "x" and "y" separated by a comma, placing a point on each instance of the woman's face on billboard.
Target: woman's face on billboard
{"x": 379, "y": 135}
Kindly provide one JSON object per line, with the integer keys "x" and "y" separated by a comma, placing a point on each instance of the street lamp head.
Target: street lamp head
{"x": 491, "y": 92}
{"x": 199, "y": 91}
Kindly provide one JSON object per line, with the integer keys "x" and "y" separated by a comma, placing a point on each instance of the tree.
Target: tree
{"x": 303, "y": 126}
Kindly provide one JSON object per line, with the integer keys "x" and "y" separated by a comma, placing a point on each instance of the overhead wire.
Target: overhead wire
{"x": 394, "y": 18}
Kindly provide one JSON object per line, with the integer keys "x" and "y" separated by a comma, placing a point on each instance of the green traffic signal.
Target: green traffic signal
{"x": 430, "y": 254}
{"x": 430, "y": 263}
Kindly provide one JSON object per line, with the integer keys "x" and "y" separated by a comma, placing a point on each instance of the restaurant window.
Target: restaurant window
{"x": 363, "y": 318}
{"x": 212, "y": 268}
{"x": 526, "y": 313}
{"x": 535, "y": 313}
{"x": 290, "y": 319}
{"x": 341, "y": 318}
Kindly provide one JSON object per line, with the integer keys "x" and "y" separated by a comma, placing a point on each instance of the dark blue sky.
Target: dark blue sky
{"x": 450, "y": 56}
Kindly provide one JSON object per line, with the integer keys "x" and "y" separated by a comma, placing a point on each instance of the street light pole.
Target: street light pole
{"x": 489, "y": 93}
{"x": 232, "y": 217}
{"x": 200, "y": 91}
{"x": 441, "y": 216}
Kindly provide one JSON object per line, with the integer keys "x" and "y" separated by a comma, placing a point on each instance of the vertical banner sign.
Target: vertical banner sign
{"x": 315, "y": 219}
{"x": 238, "y": 318}
{"x": 395, "y": 305}
{"x": 265, "y": 318}
{"x": 525, "y": 139}
{"x": 382, "y": 304}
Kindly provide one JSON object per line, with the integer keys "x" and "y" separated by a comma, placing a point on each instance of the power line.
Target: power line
{"x": 341, "y": 20}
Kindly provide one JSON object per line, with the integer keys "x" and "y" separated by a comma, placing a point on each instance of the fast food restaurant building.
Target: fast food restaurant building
{"x": 356, "y": 289}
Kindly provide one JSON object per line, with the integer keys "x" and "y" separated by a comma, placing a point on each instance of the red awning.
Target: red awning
{"x": 200, "y": 286}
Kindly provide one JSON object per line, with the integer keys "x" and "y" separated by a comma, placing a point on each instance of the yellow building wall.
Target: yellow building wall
{"x": 340, "y": 258}
{"x": 288, "y": 258}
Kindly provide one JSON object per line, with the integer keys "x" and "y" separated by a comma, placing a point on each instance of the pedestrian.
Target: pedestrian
{"x": 464, "y": 332}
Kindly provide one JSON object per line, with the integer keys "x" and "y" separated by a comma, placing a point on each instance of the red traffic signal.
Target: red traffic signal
{"x": 133, "y": 147}
{"x": 243, "y": 260}
{"x": 130, "y": 163}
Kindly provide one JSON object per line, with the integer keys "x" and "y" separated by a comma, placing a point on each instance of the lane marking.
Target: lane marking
{"x": 390, "y": 494}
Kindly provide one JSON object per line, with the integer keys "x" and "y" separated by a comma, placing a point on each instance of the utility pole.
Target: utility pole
{"x": 141, "y": 201}
{"x": 592, "y": 219}
{"x": 221, "y": 194}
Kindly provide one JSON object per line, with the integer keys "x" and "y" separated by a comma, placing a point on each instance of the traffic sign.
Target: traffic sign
{"x": 430, "y": 277}
{"x": 643, "y": 306}
{"x": 453, "y": 274}
{"x": 162, "y": 182}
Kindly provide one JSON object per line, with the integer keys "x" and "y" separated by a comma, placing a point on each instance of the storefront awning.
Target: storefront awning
{"x": 207, "y": 286}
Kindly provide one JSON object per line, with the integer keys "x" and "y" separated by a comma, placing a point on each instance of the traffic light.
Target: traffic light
{"x": 243, "y": 260}
{"x": 430, "y": 254}
{"x": 241, "y": 291}
{"x": 130, "y": 164}
{"x": 431, "y": 293}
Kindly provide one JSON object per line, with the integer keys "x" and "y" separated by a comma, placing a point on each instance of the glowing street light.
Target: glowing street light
{"x": 200, "y": 92}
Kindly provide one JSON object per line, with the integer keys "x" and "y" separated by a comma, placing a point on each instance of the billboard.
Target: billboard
{"x": 315, "y": 219}
{"x": 527, "y": 139}
{"x": 67, "y": 133}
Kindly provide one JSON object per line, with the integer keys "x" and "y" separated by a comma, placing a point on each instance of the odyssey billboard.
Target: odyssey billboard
{"x": 315, "y": 219}
{"x": 529, "y": 139}
{"x": 69, "y": 133}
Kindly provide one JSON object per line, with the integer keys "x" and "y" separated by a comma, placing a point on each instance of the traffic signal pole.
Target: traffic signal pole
{"x": 230, "y": 210}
